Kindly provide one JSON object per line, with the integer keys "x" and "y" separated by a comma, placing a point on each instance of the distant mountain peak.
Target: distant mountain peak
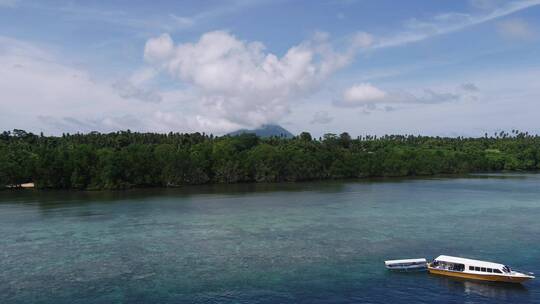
{"x": 267, "y": 130}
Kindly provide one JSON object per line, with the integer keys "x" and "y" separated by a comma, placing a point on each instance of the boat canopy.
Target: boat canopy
{"x": 478, "y": 263}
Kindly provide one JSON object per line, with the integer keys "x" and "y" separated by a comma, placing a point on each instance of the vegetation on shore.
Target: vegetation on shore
{"x": 126, "y": 159}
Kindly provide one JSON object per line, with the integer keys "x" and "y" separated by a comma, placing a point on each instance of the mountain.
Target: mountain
{"x": 265, "y": 131}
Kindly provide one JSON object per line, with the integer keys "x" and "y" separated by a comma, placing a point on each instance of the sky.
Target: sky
{"x": 444, "y": 68}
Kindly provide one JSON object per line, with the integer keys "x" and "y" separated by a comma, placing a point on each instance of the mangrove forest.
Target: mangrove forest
{"x": 128, "y": 159}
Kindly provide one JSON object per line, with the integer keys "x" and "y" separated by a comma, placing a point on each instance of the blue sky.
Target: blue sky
{"x": 424, "y": 67}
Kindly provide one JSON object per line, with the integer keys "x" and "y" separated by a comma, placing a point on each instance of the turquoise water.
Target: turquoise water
{"x": 321, "y": 242}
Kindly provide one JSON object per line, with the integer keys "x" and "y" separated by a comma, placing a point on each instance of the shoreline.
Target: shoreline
{"x": 492, "y": 174}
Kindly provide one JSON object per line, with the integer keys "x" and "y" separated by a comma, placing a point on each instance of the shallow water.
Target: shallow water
{"x": 321, "y": 242}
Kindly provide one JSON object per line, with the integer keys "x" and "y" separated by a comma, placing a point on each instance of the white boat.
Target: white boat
{"x": 476, "y": 270}
{"x": 406, "y": 264}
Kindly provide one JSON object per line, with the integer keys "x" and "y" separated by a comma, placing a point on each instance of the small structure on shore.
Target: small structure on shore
{"x": 22, "y": 186}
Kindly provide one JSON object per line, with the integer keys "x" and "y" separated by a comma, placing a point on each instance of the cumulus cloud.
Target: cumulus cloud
{"x": 225, "y": 84}
{"x": 321, "y": 117}
{"x": 241, "y": 82}
{"x": 361, "y": 94}
{"x": 516, "y": 29}
{"x": 159, "y": 48}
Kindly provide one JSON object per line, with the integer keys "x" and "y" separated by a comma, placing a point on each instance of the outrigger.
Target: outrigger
{"x": 406, "y": 265}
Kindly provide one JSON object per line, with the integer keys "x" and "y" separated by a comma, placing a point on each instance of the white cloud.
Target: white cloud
{"x": 182, "y": 21}
{"x": 31, "y": 80}
{"x": 81, "y": 124}
{"x": 158, "y": 48}
{"x": 431, "y": 96}
{"x": 503, "y": 101}
{"x": 230, "y": 84}
{"x": 241, "y": 83}
{"x": 362, "y": 40}
{"x": 418, "y": 30}
{"x": 361, "y": 94}
{"x": 40, "y": 93}
{"x": 516, "y": 29}
{"x": 17, "y": 48}
{"x": 143, "y": 75}
{"x": 369, "y": 97}
{"x": 321, "y": 117}
{"x": 129, "y": 90}
{"x": 145, "y": 22}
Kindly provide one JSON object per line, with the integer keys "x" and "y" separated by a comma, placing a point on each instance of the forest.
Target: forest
{"x": 126, "y": 159}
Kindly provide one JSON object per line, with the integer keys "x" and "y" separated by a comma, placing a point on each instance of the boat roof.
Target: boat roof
{"x": 471, "y": 262}
{"x": 405, "y": 261}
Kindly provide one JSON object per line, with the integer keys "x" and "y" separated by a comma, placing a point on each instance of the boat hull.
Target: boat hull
{"x": 480, "y": 277}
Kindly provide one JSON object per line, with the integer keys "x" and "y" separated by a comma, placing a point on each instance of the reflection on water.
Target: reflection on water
{"x": 494, "y": 290}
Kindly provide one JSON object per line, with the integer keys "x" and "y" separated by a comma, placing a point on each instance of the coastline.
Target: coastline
{"x": 494, "y": 174}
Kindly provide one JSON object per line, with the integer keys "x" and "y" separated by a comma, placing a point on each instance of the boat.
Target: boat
{"x": 476, "y": 270}
{"x": 406, "y": 264}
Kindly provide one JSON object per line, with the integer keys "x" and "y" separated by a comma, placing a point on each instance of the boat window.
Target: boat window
{"x": 471, "y": 267}
{"x": 457, "y": 267}
{"x": 483, "y": 269}
{"x": 507, "y": 269}
{"x": 497, "y": 271}
{"x": 477, "y": 268}
{"x": 489, "y": 270}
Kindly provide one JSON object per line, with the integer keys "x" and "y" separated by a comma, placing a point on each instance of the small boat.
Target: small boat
{"x": 476, "y": 270}
{"x": 407, "y": 264}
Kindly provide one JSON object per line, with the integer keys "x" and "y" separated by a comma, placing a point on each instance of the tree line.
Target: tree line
{"x": 128, "y": 159}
